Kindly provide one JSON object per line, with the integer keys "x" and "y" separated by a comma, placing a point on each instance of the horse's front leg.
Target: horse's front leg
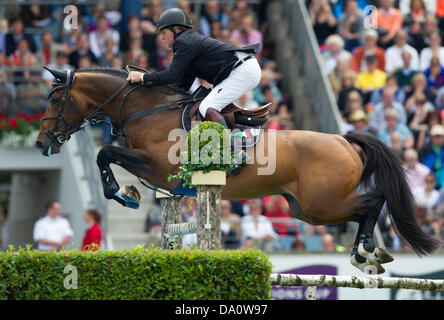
{"x": 127, "y": 196}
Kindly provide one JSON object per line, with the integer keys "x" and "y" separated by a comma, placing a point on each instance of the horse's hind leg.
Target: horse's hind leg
{"x": 365, "y": 256}
{"x": 127, "y": 195}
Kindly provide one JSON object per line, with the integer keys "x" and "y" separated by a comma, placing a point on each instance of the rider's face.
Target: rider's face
{"x": 167, "y": 36}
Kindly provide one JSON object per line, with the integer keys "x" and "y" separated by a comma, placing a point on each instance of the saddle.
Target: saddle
{"x": 245, "y": 124}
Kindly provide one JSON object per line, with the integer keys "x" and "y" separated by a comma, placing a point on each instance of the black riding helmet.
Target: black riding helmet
{"x": 174, "y": 17}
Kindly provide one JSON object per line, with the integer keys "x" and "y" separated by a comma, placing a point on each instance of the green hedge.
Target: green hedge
{"x": 136, "y": 274}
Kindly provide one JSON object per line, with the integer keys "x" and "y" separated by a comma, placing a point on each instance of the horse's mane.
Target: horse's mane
{"x": 124, "y": 74}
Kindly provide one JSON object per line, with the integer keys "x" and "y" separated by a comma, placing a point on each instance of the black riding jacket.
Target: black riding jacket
{"x": 199, "y": 56}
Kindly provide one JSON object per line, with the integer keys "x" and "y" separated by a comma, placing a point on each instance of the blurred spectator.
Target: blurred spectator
{"x": 98, "y": 37}
{"x": 276, "y": 207}
{"x": 432, "y": 118}
{"x": 47, "y": 54}
{"x": 31, "y": 91}
{"x": 211, "y": 13}
{"x": 359, "y": 120}
{"x": 354, "y": 103}
{"x": 335, "y": 49}
{"x": 422, "y": 217}
{"x": 389, "y": 21}
{"x": 117, "y": 62}
{"x": 247, "y": 33}
{"x": 134, "y": 52}
{"x": 135, "y": 31}
{"x": 230, "y": 230}
{"x": 108, "y": 55}
{"x": 93, "y": 237}
{"x": 434, "y": 75}
{"x": 434, "y": 50}
{"x": 61, "y": 64}
{"x": 143, "y": 62}
{"x": 339, "y": 6}
{"x": 347, "y": 85}
{"x": 150, "y": 17}
{"x": 85, "y": 62}
{"x": 391, "y": 82}
{"x": 414, "y": 17}
{"x": 15, "y": 35}
{"x": 336, "y": 76}
{"x": 52, "y": 232}
{"x": 323, "y": 20}
{"x": 404, "y": 75}
{"x": 314, "y": 238}
{"x": 371, "y": 79}
{"x": 8, "y": 107}
{"x": 351, "y": 25}
{"x": 239, "y": 11}
{"x": 427, "y": 194}
{"x": 258, "y": 227}
{"x": 35, "y": 16}
{"x": 369, "y": 47}
{"x": 82, "y": 49}
{"x": 405, "y": 6}
{"x": 432, "y": 154}
{"x": 420, "y": 109}
{"x": 22, "y": 50}
{"x": 98, "y": 11}
{"x": 377, "y": 117}
{"x": 415, "y": 171}
{"x": 421, "y": 39}
{"x": 392, "y": 125}
{"x": 393, "y": 54}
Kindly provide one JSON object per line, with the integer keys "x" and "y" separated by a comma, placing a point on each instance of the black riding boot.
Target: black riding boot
{"x": 242, "y": 157}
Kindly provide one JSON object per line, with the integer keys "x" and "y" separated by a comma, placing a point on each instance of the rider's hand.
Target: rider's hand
{"x": 135, "y": 76}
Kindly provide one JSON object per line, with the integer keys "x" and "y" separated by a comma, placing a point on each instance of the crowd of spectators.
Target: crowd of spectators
{"x": 385, "y": 63}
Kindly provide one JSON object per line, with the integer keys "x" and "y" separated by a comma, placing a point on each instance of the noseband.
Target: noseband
{"x": 58, "y": 137}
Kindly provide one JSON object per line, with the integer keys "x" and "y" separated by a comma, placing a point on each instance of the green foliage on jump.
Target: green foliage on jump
{"x": 137, "y": 274}
{"x": 208, "y": 148}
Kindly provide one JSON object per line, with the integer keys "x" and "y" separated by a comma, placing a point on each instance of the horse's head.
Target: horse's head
{"x": 62, "y": 116}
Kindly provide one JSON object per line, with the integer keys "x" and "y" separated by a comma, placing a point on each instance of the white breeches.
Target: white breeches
{"x": 241, "y": 79}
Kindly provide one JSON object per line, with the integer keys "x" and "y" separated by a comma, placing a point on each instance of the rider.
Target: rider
{"x": 231, "y": 70}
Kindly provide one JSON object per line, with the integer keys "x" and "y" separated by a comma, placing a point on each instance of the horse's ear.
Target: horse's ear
{"x": 61, "y": 75}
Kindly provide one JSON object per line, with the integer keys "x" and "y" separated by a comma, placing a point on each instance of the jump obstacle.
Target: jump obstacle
{"x": 207, "y": 227}
{"x": 207, "y": 223}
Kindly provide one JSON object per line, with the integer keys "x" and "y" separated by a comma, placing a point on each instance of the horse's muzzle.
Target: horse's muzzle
{"x": 45, "y": 146}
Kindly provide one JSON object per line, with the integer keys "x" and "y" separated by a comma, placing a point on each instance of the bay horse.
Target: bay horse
{"x": 321, "y": 175}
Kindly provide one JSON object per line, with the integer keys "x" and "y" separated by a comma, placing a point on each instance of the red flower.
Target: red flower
{"x": 110, "y": 261}
{"x": 66, "y": 261}
{"x": 1, "y": 116}
{"x": 3, "y": 126}
{"x": 13, "y": 122}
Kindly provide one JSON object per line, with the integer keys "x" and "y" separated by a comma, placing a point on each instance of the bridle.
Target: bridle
{"x": 58, "y": 137}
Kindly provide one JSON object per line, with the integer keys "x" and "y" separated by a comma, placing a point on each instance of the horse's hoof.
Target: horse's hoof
{"x": 373, "y": 268}
{"x": 384, "y": 257}
{"x": 129, "y": 195}
{"x": 368, "y": 266}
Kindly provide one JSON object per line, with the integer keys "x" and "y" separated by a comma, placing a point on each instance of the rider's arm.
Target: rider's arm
{"x": 184, "y": 53}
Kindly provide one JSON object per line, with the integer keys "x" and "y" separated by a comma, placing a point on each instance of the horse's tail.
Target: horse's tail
{"x": 389, "y": 179}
